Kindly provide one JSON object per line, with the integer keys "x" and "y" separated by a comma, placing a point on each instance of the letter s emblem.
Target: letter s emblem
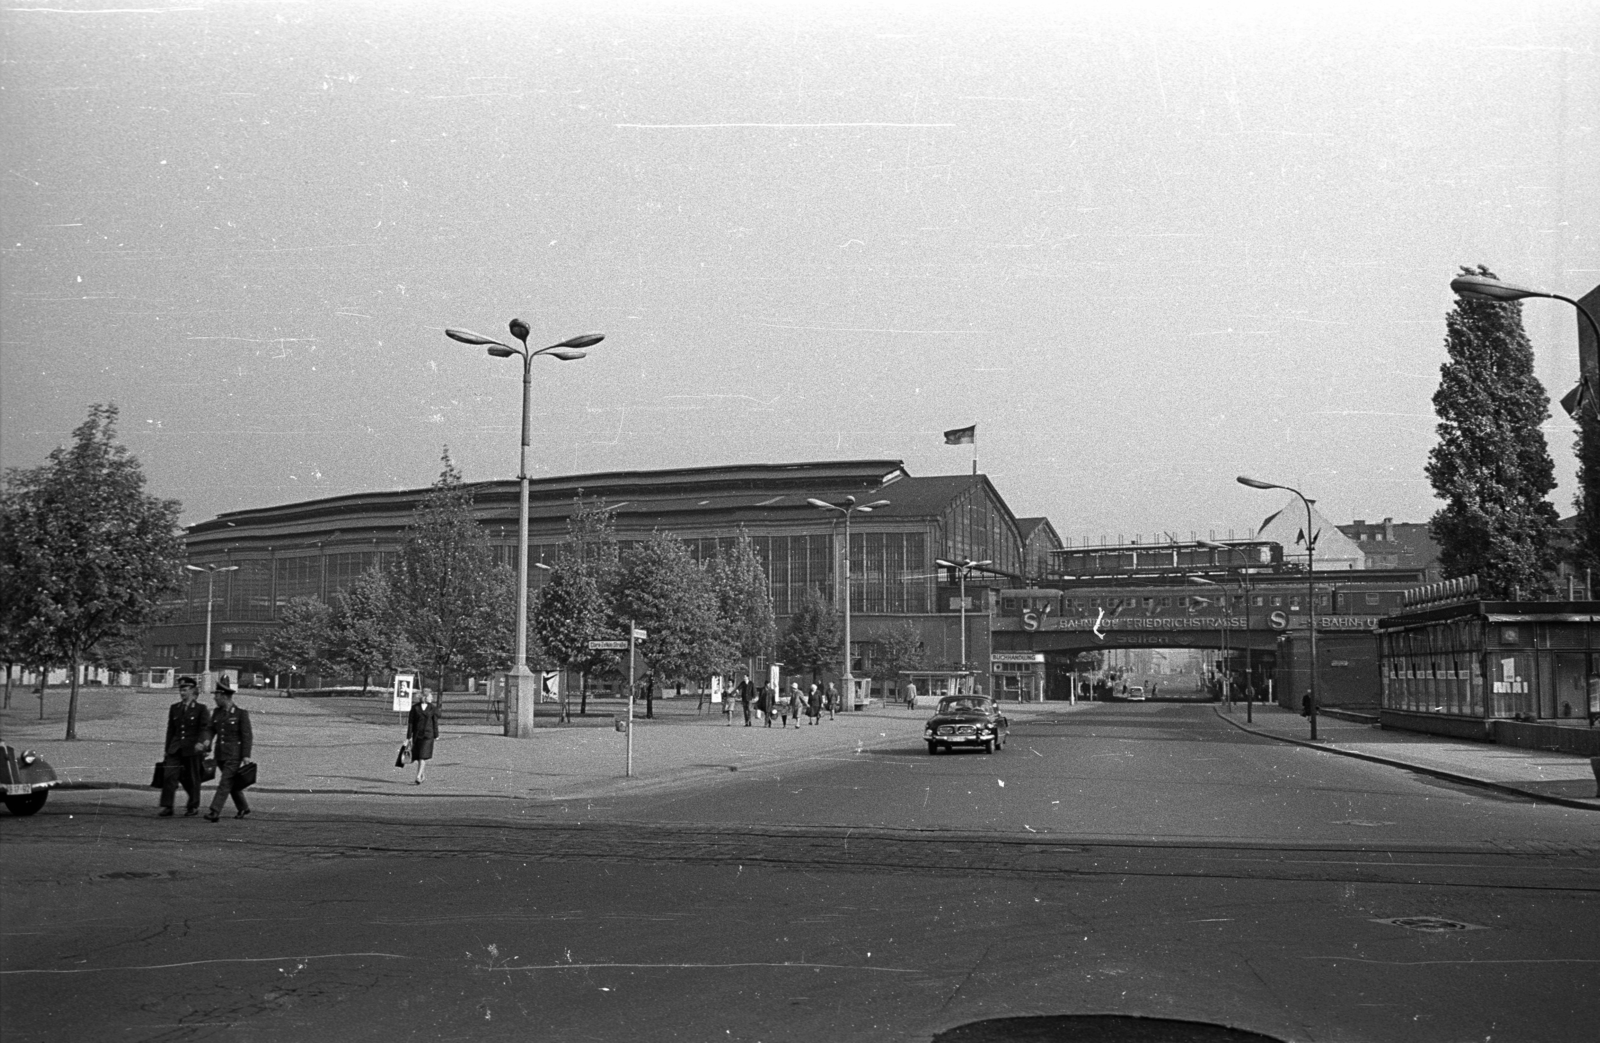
{"x": 1278, "y": 621}
{"x": 1030, "y": 620}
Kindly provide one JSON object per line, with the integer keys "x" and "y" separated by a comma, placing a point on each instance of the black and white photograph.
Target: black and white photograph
{"x": 799, "y": 520}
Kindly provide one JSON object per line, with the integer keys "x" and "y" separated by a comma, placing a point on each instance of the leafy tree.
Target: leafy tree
{"x": 663, "y": 590}
{"x": 899, "y": 649}
{"x": 1492, "y": 467}
{"x": 744, "y": 604}
{"x": 446, "y": 585}
{"x": 366, "y": 634}
{"x": 303, "y": 640}
{"x": 575, "y": 606}
{"x": 88, "y": 554}
{"x": 815, "y": 636}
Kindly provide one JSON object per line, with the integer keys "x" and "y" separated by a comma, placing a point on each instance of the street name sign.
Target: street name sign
{"x": 609, "y": 645}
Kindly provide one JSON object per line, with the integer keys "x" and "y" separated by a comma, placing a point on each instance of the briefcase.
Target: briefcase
{"x": 245, "y": 777}
{"x": 156, "y": 780}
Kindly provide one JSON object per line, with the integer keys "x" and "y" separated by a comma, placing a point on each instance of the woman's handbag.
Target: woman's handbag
{"x": 245, "y": 777}
{"x": 402, "y": 758}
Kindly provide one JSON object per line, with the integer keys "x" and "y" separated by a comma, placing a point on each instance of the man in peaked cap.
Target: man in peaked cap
{"x": 231, "y": 740}
{"x": 183, "y": 760}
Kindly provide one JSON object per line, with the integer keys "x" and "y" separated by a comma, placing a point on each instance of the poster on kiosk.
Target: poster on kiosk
{"x": 404, "y": 686}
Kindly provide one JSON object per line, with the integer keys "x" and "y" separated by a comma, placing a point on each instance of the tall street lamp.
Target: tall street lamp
{"x": 849, "y": 507}
{"x": 963, "y": 569}
{"x": 1487, "y": 288}
{"x": 1311, "y": 589}
{"x": 1244, "y": 592}
{"x": 1219, "y": 602}
{"x": 211, "y": 586}
{"x": 521, "y": 682}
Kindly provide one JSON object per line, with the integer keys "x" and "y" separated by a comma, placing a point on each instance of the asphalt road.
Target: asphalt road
{"x": 1142, "y": 860}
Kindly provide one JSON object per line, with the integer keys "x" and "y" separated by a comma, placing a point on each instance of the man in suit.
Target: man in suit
{"x": 183, "y": 760}
{"x": 747, "y": 692}
{"x": 231, "y": 738}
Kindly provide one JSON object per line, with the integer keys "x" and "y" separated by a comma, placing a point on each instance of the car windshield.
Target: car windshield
{"x": 963, "y": 702}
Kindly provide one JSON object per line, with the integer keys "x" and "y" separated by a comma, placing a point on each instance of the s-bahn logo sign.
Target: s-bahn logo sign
{"x": 1101, "y": 623}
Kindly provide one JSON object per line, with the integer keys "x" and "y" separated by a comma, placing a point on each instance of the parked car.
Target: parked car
{"x": 966, "y": 720}
{"x": 25, "y": 779}
{"x": 1136, "y": 693}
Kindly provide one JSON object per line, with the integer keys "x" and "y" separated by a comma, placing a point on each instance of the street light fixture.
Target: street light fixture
{"x": 1488, "y": 288}
{"x": 211, "y": 586}
{"x": 1311, "y": 589}
{"x": 1244, "y": 592}
{"x": 963, "y": 569}
{"x": 519, "y": 717}
{"x": 849, "y": 507}
{"x": 1220, "y": 602}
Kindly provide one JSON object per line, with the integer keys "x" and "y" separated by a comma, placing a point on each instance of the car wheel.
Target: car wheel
{"x": 933, "y": 748}
{"x": 28, "y": 803}
{"x": 989, "y": 747}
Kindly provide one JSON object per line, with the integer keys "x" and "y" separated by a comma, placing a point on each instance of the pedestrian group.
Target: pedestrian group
{"x": 194, "y": 734}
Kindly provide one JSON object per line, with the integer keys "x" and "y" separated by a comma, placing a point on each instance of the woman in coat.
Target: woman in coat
{"x": 422, "y": 727}
{"x": 814, "y": 704}
{"x": 769, "y": 703}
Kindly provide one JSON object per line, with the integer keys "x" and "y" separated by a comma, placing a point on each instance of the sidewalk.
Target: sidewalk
{"x": 347, "y": 745}
{"x": 1557, "y": 778}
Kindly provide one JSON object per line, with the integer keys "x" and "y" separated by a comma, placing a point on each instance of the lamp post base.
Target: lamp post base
{"x": 522, "y": 693}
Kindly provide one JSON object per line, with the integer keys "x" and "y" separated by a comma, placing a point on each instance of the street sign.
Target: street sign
{"x": 609, "y": 645}
{"x": 404, "y": 684}
{"x": 639, "y": 635}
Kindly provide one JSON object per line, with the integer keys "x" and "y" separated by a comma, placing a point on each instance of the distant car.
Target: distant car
{"x": 966, "y": 720}
{"x": 25, "y": 779}
{"x": 1136, "y": 693}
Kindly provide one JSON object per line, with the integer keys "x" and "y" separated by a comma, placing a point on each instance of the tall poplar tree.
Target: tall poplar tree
{"x": 1492, "y": 467}
{"x": 88, "y": 555}
{"x": 665, "y": 592}
{"x": 743, "y": 602}
{"x": 366, "y": 631}
{"x": 814, "y": 639}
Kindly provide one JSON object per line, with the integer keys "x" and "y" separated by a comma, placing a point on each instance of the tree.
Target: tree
{"x": 1492, "y": 467}
{"x": 899, "y": 649}
{"x": 575, "y": 606}
{"x": 89, "y": 555}
{"x": 815, "y": 636}
{"x": 451, "y": 601}
{"x": 303, "y": 639}
{"x": 365, "y": 633}
{"x": 664, "y": 591}
{"x": 1585, "y": 553}
{"x": 744, "y": 604}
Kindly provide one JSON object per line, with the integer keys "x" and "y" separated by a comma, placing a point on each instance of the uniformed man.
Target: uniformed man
{"x": 230, "y": 738}
{"x": 188, "y": 724}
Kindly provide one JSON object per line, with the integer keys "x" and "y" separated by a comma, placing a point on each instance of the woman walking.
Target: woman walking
{"x": 422, "y": 727}
{"x": 814, "y": 704}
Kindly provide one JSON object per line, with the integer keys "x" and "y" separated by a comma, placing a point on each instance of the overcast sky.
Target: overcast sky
{"x": 1144, "y": 248}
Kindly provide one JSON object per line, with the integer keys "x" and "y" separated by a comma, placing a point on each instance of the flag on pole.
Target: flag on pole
{"x": 962, "y": 436}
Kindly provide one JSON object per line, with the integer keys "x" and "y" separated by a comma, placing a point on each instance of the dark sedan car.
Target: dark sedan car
{"x": 967, "y": 720}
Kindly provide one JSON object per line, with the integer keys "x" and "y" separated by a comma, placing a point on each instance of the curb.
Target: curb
{"x": 1438, "y": 773}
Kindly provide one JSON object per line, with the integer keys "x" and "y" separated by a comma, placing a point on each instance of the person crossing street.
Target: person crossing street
{"x": 188, "y": 722}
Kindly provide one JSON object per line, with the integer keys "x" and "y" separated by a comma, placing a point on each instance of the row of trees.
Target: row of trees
{"x": 447, "y": 605}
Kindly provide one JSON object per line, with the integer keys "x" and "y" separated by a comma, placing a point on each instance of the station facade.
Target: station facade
{"x": 319, "y": 547}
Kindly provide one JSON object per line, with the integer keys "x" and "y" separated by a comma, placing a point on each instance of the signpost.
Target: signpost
{"x": 404, "y": 685}
{"x": 617, "y": 644}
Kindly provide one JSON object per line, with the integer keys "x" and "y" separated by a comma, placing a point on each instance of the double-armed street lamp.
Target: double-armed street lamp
{"x": 1488, "y": 288}
{"x": 1311, "y": 590}
{"x": 847, "y": 508}
{"x": 522, "y": 691}
{"x": 211, "y": 586}
{"x": 963, "y": 569}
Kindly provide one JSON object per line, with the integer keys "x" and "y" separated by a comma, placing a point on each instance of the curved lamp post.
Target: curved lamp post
{"x": 519, "y": 718}
{"x": 211, "y": 586}
{"x": 1220, "y": 602}
{"x": 849, "y": 507}
{"x": 1311, "y": 588}
{"x": 963, "y": 569}
{"x": 1485, "y": 288}
{"x": 1244, "y": 592}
